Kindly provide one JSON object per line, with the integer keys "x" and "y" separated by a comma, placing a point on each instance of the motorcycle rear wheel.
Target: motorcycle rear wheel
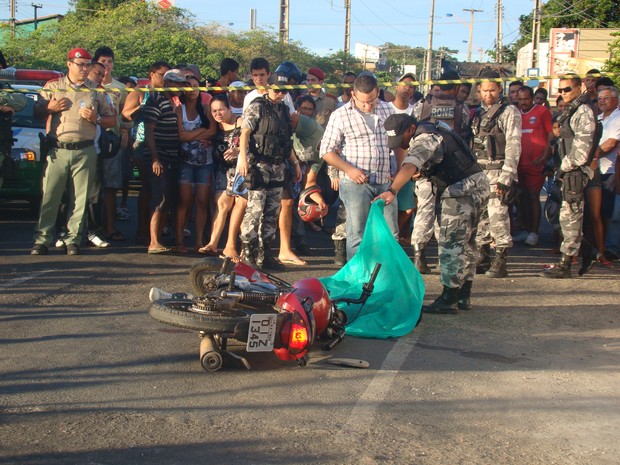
{"x": 178, "y": 313}
{"x": 202, "y": 275}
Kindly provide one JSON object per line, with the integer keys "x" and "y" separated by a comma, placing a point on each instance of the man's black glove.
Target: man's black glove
{"x": 507, "y": 193}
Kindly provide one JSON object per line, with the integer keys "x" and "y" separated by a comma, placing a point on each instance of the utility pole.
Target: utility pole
{"x": 252, "y": 19}
{"x": 471, "y": 31}
{"x": 347, "y": 27}
{"x": 12, "y": 20}
{"x": 498, "y": 41}
{"x": 536, "y": 34}
{"x": 36, "y": 6}
{"x": 429, "y": 50}
{"x": 284, "y": 21}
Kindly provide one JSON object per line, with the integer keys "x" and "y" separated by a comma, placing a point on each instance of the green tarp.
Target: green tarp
{"x": 394, "y": 307}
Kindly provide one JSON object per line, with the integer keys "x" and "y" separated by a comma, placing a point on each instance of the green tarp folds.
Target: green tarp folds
{"x": 394, "y": 307}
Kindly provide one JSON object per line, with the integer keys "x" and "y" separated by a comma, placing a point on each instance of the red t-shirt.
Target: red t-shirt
{"x": 536, "y": 126}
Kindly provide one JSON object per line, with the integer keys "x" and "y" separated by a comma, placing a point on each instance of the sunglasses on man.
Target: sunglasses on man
{"x": 565, "y": 90}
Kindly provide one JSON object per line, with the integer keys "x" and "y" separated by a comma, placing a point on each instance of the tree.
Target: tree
{"x": 560, "y": 13}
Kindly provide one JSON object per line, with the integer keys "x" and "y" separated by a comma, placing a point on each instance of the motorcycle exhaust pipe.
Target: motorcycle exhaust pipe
{"x": 210, "y": 355}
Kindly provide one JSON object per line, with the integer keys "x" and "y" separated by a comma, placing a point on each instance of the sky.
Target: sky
{"x": 319, "y": 24}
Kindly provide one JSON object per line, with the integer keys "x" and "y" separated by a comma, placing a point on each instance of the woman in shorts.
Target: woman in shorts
{"x": 225, "y": 152}
{"x": 196, "y": 129}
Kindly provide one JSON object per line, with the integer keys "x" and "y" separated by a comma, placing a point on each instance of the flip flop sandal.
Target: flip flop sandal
{"x": 160, "y": 250}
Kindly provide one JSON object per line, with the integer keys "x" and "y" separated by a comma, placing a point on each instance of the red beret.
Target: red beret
{"x": 79, "y": 53}
{"x": 317, "y": 72}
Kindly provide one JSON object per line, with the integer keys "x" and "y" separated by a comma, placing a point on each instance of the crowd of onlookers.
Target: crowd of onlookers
{"x": 185, "y": 145}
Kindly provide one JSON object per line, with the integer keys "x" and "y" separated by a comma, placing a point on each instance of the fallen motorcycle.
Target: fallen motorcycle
{"x": 236, "y": 301}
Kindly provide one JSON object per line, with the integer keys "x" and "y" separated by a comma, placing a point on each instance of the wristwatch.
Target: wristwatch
{"x": 392, "y": 191}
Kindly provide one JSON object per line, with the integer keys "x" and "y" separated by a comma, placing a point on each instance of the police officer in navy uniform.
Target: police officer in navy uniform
{"x": 73, "y": 109}
{"x": 265, "y": 143}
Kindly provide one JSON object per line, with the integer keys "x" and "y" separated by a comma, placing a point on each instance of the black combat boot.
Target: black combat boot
{"x": 447, "y": 302}
{"x": 249, "y": 251}
{"x": 419, "y": 258}
{"x": 561, "y": 270}
{"x": 340, "y": 252}
{"x": 269, "y": 261}
{"x": 484, "y": 259}
{"x": 464, "y": 296}
{"x": 498, "y": 266}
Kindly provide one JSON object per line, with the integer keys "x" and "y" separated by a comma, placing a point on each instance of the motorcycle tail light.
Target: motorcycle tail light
{"x": 299, "y": 337}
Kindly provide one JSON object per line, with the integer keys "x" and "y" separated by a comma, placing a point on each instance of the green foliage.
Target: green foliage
{"x": 560, "y": 13}
{"x": 140, "y": 34}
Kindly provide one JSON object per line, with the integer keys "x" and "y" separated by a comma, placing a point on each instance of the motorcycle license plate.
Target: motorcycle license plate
{"x": 262, "y": 332}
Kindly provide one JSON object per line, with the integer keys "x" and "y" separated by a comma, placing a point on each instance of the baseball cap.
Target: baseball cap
{"x": 317, "y": 72}
{"x": 395, "y": 126}
{"x": 79, "y": 53}
{"x": 408, "y": 75}
{"x": 237, "y": 84}
{"x": 175, "y": 75}
{"x": 277, "y": 78}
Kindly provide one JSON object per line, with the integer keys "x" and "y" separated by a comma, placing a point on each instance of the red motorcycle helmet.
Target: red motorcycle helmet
{"x": 307, "y": 208}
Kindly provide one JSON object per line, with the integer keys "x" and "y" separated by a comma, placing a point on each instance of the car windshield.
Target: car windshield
{"x": 25, "y": 118}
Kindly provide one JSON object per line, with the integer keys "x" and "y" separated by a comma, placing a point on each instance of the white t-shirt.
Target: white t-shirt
{"x": 288, "y": 100}
{"x": 611, "y": 130}
{"x": 408, "y": 110}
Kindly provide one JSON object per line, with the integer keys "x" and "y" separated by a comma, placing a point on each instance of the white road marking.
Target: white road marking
{"x": 364, "y": 410}
{"x": 23, "y": 279}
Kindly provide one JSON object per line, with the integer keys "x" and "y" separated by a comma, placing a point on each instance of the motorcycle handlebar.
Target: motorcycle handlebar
{"x": 367, "y": 289}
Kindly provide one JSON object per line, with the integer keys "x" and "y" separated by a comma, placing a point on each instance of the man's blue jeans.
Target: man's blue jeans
{"x": 612, "y": 244}
{"x": 357, "y": 199}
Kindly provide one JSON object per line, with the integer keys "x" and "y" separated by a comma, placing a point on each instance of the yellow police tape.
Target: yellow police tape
{"x": 324, "y": 85}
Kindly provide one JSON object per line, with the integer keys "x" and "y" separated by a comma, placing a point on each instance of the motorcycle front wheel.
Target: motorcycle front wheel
{"x": 178, "y": 312}
{"x": 203, "y": 274}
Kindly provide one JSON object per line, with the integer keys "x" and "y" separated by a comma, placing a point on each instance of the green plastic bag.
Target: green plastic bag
{"x": 393, "y": 309}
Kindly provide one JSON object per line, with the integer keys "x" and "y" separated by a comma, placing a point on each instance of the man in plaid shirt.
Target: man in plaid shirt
{"x": 355, "y": 143}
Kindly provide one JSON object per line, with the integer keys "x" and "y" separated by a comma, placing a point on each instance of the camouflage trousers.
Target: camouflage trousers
{"x": 571, "y": 222}
{"x": 425, "y": 212}
{"x": 261, "y": 215}
{"x": 340, "y": 231}
{"x": 495, "y": 220}
{"x": 458, "y": 221}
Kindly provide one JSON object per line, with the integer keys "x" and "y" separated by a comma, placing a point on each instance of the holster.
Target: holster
{"x": 44, "y": 146}
{"x": 573, "y": 185}
{"x": 508, "y": 193}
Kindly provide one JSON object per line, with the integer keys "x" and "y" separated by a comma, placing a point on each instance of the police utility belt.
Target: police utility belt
{"x": 270, "y": 160}
{"x": 487, "y": 164}
{"x": 82, "y": 144}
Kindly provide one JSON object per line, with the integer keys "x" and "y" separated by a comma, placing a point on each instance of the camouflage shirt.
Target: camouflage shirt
{"x": 582, "y": 123}
{"x": 509, "y": 122}
{"x": 430, "y": 147}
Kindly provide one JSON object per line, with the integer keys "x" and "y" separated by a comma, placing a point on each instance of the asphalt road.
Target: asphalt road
{"x": 86, "y": 377}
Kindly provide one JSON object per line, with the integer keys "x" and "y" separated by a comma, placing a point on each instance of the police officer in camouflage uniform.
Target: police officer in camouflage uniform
{"x": 442, "y": 106}
{"x": 439, "y": 154}
{"x": 10, "y": 103}
{"x": 496, "y": 127}
{"x": 265, "y": 143}
{"x": 577, "y": 126}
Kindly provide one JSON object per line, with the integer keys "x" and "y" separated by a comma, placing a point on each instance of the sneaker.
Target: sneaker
{"x": 520, "y": 236}
{"x": 96, "y": 241}
{"x": 122, "y": 214}
{"x": 531, "y": 240}
{"x": 158, "y": 294}
{"x": 73, "y": 249}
